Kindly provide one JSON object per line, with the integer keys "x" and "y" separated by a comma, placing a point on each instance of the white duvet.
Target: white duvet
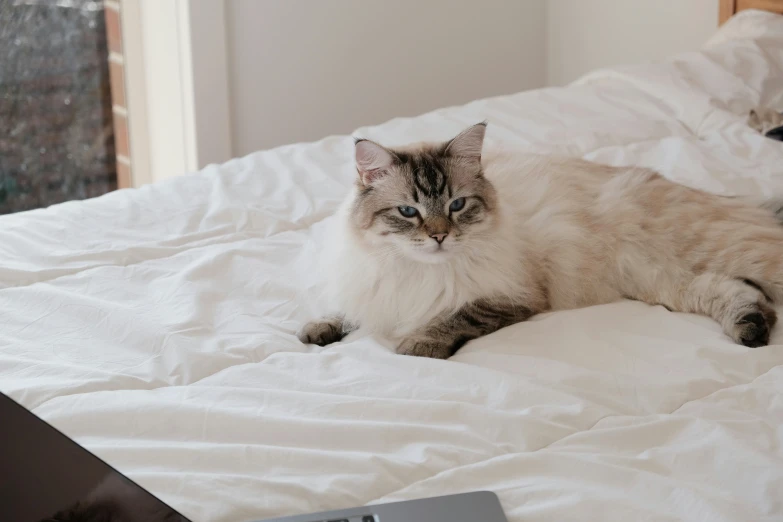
{"x": 156, "y": 327}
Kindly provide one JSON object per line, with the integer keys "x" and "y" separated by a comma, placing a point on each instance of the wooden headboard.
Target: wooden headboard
{"x": 729, "y": 7}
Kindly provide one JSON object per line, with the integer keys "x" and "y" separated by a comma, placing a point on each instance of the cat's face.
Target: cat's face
{"x": 427, "y": 204}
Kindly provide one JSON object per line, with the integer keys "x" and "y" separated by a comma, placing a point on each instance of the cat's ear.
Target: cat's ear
{"x": 468, "y": 143}
{"x": 372, "y": 160}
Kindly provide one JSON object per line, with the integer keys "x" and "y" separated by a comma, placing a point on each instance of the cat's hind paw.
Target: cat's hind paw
{"x": 753, "y": 329}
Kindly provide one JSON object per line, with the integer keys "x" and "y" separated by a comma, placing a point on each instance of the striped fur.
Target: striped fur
{"x": 538, "y": 233}
{"x": 448, "y": 332}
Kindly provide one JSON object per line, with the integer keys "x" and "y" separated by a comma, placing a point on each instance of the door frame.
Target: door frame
{"x": 177, "y": 85}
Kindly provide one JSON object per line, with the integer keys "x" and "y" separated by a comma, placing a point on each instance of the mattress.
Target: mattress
{"x": 157, "y": 327}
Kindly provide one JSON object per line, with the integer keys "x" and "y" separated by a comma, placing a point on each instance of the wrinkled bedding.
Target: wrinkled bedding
{"x": 156, "y": 327}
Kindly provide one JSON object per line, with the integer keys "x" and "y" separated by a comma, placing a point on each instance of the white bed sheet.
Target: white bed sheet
{"x": 156, "y": 327}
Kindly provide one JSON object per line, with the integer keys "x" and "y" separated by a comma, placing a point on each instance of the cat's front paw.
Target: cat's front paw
{"x": 424, "y": 348}
{"x": 321, "y": 332}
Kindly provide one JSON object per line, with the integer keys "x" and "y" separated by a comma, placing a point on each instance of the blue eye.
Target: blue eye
{"x": 408, "y": 212}
{"x": 457, "y": 205}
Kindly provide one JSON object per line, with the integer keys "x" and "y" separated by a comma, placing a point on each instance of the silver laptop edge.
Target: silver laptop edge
{"x": 478, "y": 506}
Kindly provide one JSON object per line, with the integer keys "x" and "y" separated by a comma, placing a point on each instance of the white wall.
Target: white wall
{"x": 228, "y": 77}
{"x": 303, "y": 69}
{"x": 583, "y": 35}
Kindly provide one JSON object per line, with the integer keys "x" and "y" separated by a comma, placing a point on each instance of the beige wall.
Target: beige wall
{"x": 212, "y": 79}
{"x": 303, "y": 69}
{"x": 298, "y": 70}
{"x": 583, "y": 35}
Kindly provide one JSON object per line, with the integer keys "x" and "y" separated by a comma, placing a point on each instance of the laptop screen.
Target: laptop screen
{"x": 46, "y": 477}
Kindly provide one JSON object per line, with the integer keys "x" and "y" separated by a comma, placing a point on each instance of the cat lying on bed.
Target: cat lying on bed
{"x": 439, "y": 244}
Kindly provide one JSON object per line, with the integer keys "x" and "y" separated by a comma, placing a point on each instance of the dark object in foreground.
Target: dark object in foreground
{"x": 47, "y": 477}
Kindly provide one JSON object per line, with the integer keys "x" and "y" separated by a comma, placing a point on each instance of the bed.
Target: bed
{"x": 157, "y": 328}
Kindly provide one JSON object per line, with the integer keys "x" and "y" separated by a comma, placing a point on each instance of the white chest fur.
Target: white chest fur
{"x": 392, "y": 296}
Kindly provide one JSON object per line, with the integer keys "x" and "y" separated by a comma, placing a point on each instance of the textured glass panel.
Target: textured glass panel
{"x": 56, "y": 138}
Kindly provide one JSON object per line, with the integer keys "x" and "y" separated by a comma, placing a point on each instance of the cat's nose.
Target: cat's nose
{"x": 439, "y": 237}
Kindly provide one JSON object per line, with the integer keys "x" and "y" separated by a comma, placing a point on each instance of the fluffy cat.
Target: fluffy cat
{"x": 438, "y": 244}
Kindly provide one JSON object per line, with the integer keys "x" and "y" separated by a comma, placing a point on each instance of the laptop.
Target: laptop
{"x": 47, "y": 477}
